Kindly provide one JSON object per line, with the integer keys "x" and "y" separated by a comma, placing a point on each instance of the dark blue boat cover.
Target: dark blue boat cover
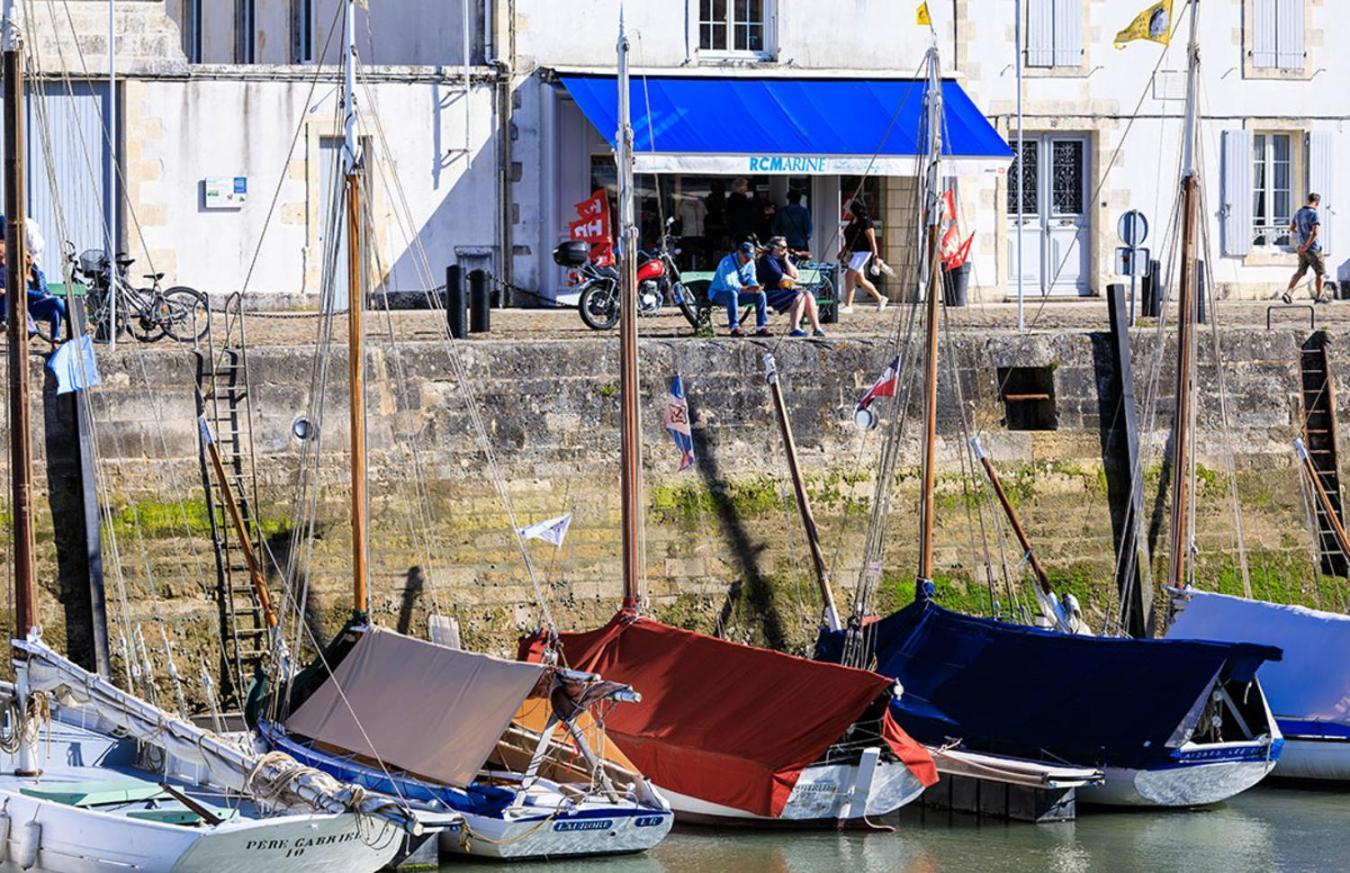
{"x": 1016, "y": 690}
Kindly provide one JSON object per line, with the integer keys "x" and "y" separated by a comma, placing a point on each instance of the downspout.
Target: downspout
{"x": 504, "y": 41}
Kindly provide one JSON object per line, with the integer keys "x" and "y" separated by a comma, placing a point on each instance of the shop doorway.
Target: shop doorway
{"x": 1056, "y": 224}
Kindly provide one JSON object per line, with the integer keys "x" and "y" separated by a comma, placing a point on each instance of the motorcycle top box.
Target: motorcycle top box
{"x": 573, "y": 253}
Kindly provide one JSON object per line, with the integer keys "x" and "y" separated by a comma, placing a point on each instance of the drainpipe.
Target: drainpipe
{"x": 504, "y": 43}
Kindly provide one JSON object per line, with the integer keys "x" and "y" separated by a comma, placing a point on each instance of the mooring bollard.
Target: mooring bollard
{"x": 456, "y": 304}
{"x": 480, "y": 302}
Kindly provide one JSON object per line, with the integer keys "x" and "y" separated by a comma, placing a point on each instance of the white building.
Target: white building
{"x": 491, "y": 150}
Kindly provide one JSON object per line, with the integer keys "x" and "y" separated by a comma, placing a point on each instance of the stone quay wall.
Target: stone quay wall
{"x": 724, "y": 548}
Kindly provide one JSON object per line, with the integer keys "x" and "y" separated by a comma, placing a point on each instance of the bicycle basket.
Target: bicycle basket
{"x": 93, "y": 261}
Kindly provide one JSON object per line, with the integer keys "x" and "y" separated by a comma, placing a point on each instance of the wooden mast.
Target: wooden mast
{"x": 630, "y": 448}
{"x": 356, "y": 376}
{"x": 924, "y": 582}
{"x": 16, "y": 240}
{"x": 803, "y": 499}
{"x": 1187, "y": 295}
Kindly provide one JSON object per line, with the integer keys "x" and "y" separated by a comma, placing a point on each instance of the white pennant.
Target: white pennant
{"x": 552, "y": 531}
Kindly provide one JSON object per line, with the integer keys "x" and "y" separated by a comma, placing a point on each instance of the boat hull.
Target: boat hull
{"x": 1323, "y": 759}
{"x": 823, "y": 797}
{"x": 1200, "y": 776}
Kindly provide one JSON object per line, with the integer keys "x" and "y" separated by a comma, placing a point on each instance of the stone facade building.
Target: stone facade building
{"x": 481, "y": 150}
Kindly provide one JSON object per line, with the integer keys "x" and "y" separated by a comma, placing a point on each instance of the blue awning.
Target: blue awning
{"x": 740, "y": 125}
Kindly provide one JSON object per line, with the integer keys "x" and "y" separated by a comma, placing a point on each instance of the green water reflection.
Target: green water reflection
{"x": 1273, "y": 830}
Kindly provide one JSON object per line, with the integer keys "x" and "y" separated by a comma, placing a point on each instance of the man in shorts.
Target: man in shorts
{"x": 1306, "y": 228}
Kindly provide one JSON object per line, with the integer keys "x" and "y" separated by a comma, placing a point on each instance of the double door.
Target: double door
{"x": 1055, "y": 236}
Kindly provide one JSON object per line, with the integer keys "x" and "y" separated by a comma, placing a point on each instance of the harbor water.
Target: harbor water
{"x": 1267, "y": 829}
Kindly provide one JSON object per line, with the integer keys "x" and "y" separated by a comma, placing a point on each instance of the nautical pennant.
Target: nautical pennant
{"x": 921, "y": 15}
{"x": 883, "y": 387}
{"x": 676, "y": 422}
{"x": 1154, "y": 23}
{"x": 552, "y": 531}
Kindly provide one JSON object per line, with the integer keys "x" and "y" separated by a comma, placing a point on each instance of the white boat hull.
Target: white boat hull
{"x": 1188, "y": 783}
{"x": 1323, "y": 759}
{"x": 824, "y": 795}
{"x": 544, "y": 836}
{"x": 78, "y": 840}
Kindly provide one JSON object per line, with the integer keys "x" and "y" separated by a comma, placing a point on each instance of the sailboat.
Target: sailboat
{"x": 1310, "y": 688}
{"x": 729, "y": 733}
{"x": 1170, "y": 722}
{"x": 94, "y": 779}
{"x": 432, "y": 726}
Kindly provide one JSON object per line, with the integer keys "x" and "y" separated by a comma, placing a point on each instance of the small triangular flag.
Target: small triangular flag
{"x": 552, "y": 531}
{"x": 922, "y": 14}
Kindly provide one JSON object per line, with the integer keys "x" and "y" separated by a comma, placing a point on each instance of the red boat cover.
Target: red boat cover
{"x": 725, "y": 722}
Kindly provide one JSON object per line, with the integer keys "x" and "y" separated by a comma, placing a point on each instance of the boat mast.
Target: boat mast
{"x": 356, "y": 375}
{"x": 803, "y": 499}
{"x": 1187, "y": 295}
{"x": 630, "y": 448}
{"x": 933, "y": 273}
{"x": 20, "y": 425}
{"x": 16, "y": 241}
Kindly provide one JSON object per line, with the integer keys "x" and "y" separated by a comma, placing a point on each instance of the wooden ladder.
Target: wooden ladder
{"x": 222, "y": 397}
{"x": 1319, "y": 435}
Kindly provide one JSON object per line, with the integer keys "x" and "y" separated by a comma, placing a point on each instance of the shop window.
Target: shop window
{"x": 734, "y": 26}
{"x": 1028, "y": 397}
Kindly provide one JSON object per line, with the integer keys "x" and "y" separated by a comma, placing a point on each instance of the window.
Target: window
{"x": 1054, "y": 33}
{"x": 243, "y": 35}
{"x": 733, "y": 26}
{"x": 1273, "y": 195}
{"x": 1028, "y": 395}
{"x": 192, "y": 30}
{"x": 1277, "y": 34}
{"x": 302, "y": 30}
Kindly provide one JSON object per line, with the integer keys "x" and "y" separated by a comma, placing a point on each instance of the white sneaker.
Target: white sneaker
{"x": 846, "y": 310}
{"x": 882, "y": 304}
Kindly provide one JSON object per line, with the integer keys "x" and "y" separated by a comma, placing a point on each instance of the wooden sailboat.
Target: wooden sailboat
{"x": 78, "y": 791}
{"x": 729, "y": 733}
{"x": 1197, "y": 731}
{"x": 388, "y": 712}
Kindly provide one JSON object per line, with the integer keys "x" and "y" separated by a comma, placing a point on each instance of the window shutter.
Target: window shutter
{"x": 1263, "y": 33}
{"x": 1237, "y": 192}
{"x": 1320, "y": 181}
{"x": 1289, "y": 34}
{"x": 1069, "y": 33}
{"x": 1041, "y": 33}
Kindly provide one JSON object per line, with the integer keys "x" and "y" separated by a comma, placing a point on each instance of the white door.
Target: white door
{"x": 1055, "y": 237}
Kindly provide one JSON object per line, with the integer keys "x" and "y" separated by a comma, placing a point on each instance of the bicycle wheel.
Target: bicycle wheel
{"x": 188, "y": 314}
{"x": 96, "y": 309}
{"x": 146, "y": 314}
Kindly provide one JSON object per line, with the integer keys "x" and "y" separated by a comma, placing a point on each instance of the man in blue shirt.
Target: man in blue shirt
{"x": 1306, "y": 228}
{"x": 734, "y": 285}
{"x": 794, "y": 223}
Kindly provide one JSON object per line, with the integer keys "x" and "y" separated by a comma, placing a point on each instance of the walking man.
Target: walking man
{"x": 1306, "y": 227}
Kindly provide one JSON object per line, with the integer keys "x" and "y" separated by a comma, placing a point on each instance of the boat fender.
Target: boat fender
{"x": 30, "y": 840}
{"x": 4, "y": 835}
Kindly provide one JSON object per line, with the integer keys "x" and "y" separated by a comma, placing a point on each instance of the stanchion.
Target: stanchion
{"x": 456, "y": 304}
{"x": 480, "y": 302}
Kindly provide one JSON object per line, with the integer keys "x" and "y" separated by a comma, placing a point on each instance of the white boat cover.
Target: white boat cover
{"x": 432, "y": 711}
{"x": 1312, "y": 682}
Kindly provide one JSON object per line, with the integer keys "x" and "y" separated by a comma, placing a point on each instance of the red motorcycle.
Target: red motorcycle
{"x": 658, "y": 281}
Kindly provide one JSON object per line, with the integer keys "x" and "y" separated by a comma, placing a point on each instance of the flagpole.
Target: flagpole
{"x": 630, "y": 448}
{"x": 1021, "y": 166}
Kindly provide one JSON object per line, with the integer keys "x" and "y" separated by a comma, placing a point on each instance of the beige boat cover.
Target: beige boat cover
{"x": 432, "y": 711}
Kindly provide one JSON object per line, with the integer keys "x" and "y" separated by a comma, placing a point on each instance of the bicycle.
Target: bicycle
{"x": 148, "y": 314}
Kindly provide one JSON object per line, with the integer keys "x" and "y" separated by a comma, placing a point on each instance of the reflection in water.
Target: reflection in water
{"x": 1271, "y": 830}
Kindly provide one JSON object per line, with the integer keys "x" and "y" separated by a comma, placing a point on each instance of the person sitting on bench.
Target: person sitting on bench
{"x": 41, "y": 302}
{"x": 778, "y": 275}
{"x": 734, "y": 285}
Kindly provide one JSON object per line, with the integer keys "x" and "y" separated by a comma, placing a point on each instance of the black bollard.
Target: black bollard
{"x": 1150, "y": 302}
{"x": 1201, "y": 291}
{"x": 456, "y": 304}
{"x": 480, "y": 302}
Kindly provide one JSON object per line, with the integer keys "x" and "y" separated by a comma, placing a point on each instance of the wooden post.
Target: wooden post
{"x": 803, "y": 499}
{"x": 1324, "y": 499}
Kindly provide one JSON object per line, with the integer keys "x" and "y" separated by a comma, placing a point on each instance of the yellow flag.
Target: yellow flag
{"x": 1154, "y": 23}
{"x": 923, "y": 14}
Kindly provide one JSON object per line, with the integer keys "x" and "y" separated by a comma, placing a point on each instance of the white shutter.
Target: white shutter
{"x": 1320, "y": 181}
{"x": 1068, "y": 33}
{"x": 1041, "y": 33}
{"x": 1264, "y": 52}
{"x": 1289, "y": 34}
{"x": 1237, "y": 192}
